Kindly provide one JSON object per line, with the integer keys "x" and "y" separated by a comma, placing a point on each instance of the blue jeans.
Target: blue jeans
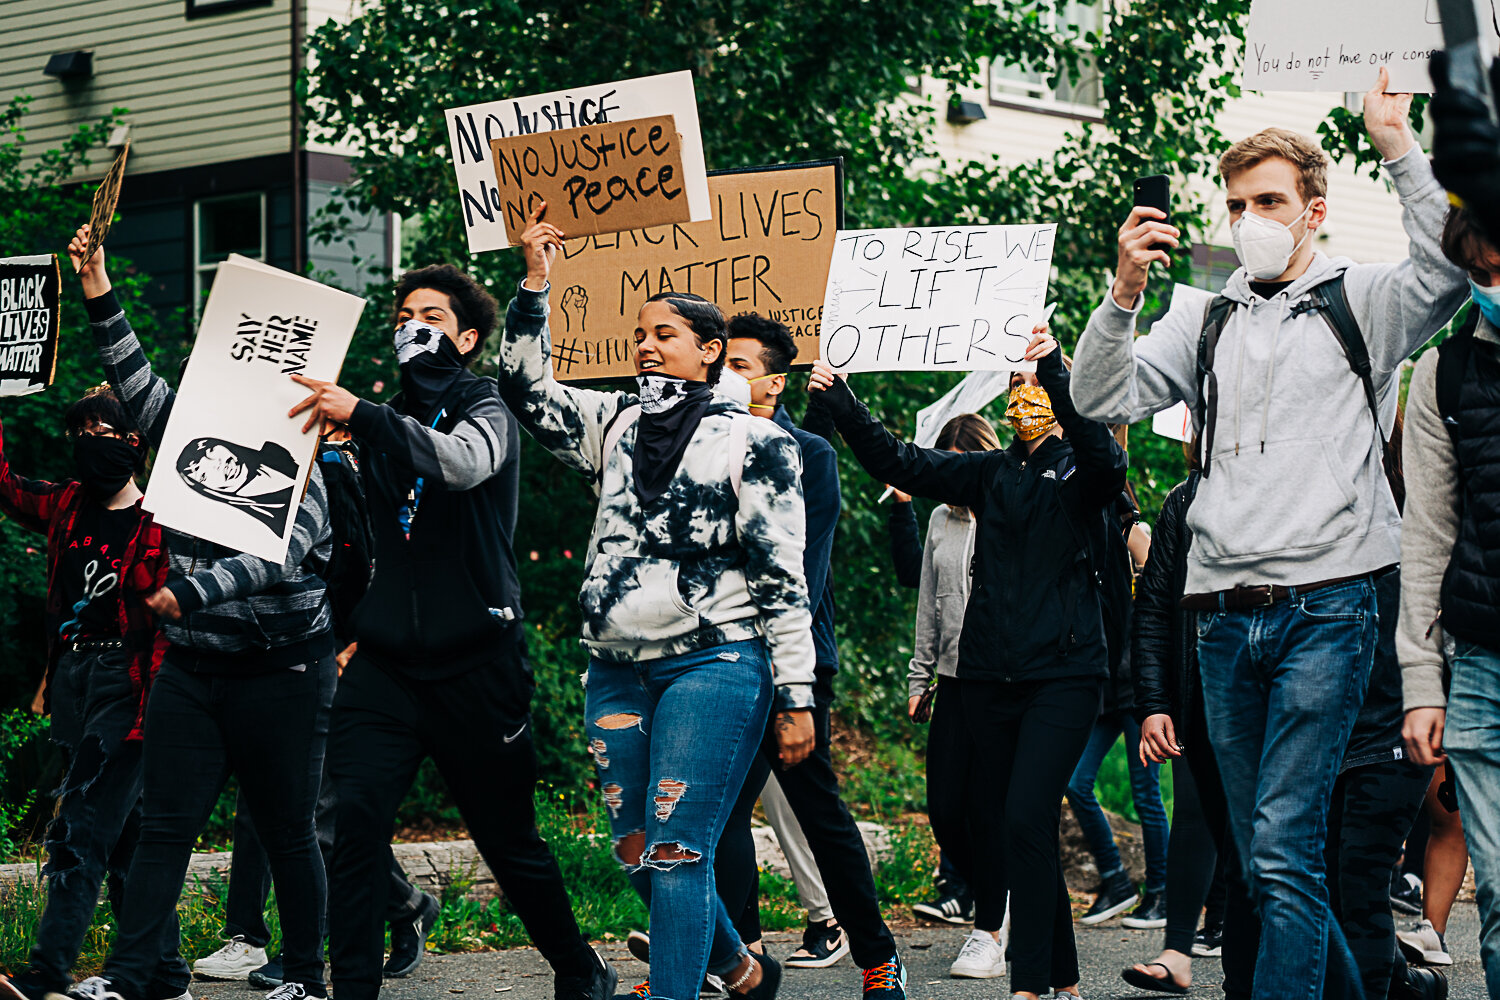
{"x": 672, "y": 740}
{"x": 1145, "y": 792}
{"x": 1471, "y": 737}
{"x": 1282, "y": 686}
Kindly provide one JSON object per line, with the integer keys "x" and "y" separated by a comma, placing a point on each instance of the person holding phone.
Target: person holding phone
{"x": 1032, "y": 656}
{"x": 1294, "y": 517}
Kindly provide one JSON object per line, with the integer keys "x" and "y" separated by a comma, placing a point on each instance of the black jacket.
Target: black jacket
{"x": 442, "y": 599}
{"x": 1034, "y": 610}
{"x": 1164, "y": 646}
{"x": 1471, "y": 586}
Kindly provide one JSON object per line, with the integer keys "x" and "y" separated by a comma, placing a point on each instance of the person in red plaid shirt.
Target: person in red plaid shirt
{"x": 104, "y": 558}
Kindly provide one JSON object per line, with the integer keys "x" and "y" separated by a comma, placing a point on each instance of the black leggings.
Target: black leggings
{"x": 1192, "y": 854}
{"x": 1032, "y": 735}
{"x": 1373, "y": 808}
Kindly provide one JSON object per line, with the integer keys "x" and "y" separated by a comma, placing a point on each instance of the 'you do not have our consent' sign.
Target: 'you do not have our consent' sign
{"x": 472, "y": 131}
{"x": 956, "y": 299}
{"x": 608, "y": 178}
{"x": 232, "y": 465}
{"x": 29, "y": 323}
{"x": 1340, "y": 45}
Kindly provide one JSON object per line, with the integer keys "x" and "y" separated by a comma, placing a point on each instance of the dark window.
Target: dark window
{"x": 222, "y": 226}
{"x": 204, "y": 8}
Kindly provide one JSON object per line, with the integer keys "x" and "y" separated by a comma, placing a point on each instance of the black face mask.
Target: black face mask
{"x": 428, "y": 375}
{"x": 104, "y": 464}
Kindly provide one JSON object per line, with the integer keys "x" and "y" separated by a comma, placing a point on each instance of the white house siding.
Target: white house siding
{"x": 212, "y": 89}
{"x": 1364, "y": 216}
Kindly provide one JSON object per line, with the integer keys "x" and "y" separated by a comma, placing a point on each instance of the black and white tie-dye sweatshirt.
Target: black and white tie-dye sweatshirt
{"x": 240, "y": 613}
{"x": 697, "y": 567}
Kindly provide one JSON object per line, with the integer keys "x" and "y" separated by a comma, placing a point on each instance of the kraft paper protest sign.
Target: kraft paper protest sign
{"x": 607, "y": 178}
{"x": 472, "y": 129}
{"x": 766, "y": 250}
{"x": 1340, "y": 45}
{"x": 30, "y": 318}
{"x": 106, "y": 198}
{"x": 232, "y": 465}
{"x": 946, "y": 299}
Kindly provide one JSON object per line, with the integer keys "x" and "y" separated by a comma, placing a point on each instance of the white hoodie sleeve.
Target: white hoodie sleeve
{"x": 1123, "y": 380}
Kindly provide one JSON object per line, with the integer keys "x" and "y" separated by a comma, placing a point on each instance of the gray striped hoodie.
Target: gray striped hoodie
{"x": 240, "y": 612}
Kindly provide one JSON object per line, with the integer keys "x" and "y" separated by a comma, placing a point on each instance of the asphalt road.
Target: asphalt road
{"x": 521, "y": 974}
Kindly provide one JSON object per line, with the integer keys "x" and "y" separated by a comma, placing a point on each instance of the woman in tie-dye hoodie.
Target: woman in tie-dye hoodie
{"x": 695, "y": 611}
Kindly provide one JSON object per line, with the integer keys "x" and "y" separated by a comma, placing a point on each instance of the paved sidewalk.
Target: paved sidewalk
{"x": 521, "y": 974}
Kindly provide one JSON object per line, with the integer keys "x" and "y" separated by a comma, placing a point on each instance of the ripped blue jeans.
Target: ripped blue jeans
{"x": 672, "y": 740}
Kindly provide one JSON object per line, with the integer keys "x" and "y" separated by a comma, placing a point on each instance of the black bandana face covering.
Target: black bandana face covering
{"x": 104, "y": 464}
{"x": 429, "y": 361}
{"x": 671, "y": 409}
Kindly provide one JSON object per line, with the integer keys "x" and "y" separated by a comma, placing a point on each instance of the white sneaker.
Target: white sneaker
{"x": 1423, "y": 945}
{"x": 980, "y": 958}
{"x": 94, "y": 988}
{"x": 236, "y": 960}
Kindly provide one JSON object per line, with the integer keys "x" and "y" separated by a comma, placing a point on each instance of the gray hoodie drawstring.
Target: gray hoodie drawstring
{"x": 1240, "y": 369}
{"x": 1265, "y": 413}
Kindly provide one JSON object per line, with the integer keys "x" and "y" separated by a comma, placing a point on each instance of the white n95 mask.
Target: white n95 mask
{"x": 1264, "y": 246}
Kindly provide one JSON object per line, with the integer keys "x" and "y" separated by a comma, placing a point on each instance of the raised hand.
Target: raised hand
{"x": 91, "y": 272}
{"x": 1386, "y": 119}
{"x": 540, "y": 243}
{"x": 1142, "y": 238}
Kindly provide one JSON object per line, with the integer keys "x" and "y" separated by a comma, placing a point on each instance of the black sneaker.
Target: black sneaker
{"x": 948, "y": 908}
{"x": 409, "y": 939}
{"x": 268, "y": 976}
{"x": 1151, "y": 914}
{"x": 1209, "y": 942}
{"x": 1116, "y": 895}
{"x": 1406, "y": 895}
{"x": 770, "y": 981}
{"x": 1420, "y": 984}
{"x": 25, "y": 987}
{"x": 598, "y": 984}
{"x": 822, "y": 946}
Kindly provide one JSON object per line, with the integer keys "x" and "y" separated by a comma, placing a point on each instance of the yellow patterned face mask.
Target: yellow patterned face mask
{"x": 1030, "y": 412}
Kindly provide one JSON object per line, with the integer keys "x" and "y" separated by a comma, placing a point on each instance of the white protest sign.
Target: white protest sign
{"x": 955, "y": 299}
{"x": 471, "y": 128}
{"x": 1340, "y": 45}
{"x": 1175, "y": 422}
{"x": 232, "y": 465}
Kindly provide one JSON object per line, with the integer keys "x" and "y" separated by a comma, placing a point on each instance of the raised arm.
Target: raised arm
{"x": 1400, "y": 306}
{"x": 952, "y": 477}
{"x": 241, "y": 575}
{"x": 770, "y": 525}
{"x": 1100, "y": 474}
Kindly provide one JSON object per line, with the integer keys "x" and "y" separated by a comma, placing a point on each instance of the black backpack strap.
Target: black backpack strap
{"x": 1332, "y": 301}
{"x": 1215, "y": 315}
{"x": 1452, "y": 366}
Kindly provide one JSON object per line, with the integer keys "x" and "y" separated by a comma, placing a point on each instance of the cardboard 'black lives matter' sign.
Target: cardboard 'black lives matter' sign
{"x": 604, "y": 178}
{"x": 30, "y": 296}
{"x": 767, "y": 250}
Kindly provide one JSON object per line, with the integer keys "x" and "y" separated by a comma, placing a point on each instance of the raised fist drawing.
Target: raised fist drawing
{"x": 574, "y": 298}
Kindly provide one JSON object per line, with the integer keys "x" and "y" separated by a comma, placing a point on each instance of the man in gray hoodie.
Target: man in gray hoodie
{"x": 1294, "y": 516}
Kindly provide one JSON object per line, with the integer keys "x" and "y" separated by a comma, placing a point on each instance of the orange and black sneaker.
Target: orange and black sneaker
{"x": 887, "y": 981}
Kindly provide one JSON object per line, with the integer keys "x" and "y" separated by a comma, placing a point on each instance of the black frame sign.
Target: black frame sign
{"x": 30, "y": 319}
{"x": 206, "y": 8}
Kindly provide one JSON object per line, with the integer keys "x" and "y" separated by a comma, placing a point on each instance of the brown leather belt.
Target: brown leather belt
{"x": 1246, "y": 598}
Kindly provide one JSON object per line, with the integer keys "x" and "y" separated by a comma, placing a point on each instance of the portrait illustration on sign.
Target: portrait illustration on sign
{"x": 257, "y": 481}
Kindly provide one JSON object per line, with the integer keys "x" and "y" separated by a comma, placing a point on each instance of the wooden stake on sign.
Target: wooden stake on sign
{"x": 105, "y": 200}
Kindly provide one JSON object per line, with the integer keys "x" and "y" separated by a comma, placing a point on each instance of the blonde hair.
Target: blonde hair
{"x": 1298, "y": 150}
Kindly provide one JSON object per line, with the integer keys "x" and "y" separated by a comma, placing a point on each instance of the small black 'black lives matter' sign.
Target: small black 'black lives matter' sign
{"x": 30, "y": 293}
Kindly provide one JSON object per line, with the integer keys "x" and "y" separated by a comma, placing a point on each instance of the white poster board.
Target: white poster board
{"x": 1340, "y": 45}
{"x": 935, "y": 299}
{"x": 232, "y": 465}
{"x": 471, "y": 128}
{"x": 1175, "y": 422}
